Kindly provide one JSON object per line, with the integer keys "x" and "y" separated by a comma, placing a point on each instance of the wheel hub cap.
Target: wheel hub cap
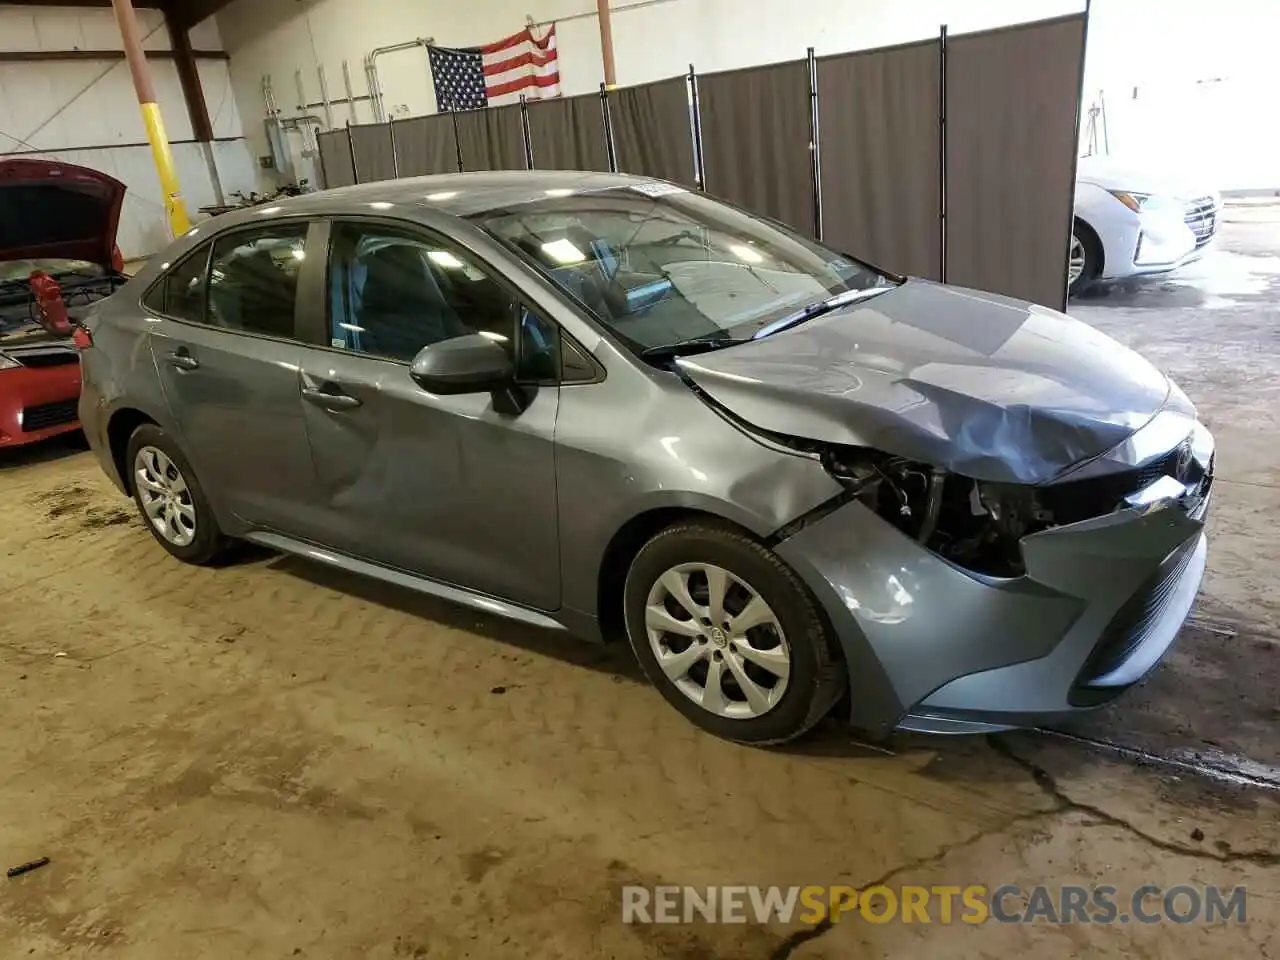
{"x": 166, "y": 499}
{"x": 717, "y": 640}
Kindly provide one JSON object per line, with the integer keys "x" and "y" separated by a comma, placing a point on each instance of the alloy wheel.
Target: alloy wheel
{"x": 166, "y": 499}
{"x": 717, "y": 640}
{"x": 1075, "y": 260}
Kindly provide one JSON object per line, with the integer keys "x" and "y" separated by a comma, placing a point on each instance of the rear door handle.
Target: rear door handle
{"x": 330, "y": 401}
{"x": 183, "y": 360}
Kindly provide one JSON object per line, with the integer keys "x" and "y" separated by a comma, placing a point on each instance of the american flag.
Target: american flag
{"x": 471, "y": 77}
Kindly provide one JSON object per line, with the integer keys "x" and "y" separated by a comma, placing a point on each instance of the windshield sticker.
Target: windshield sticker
{"x": 657, "y": 188}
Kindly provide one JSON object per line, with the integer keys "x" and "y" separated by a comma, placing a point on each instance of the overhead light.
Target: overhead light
{"x": 445, "y": 259}
{"x": 381, "y": 205}
{"x": 563, "y": 251}
{"x": 745, "y": 253}
{"x": 442, "y": 195}
{"x": 558, "y": 192}
{"x": 299, "y": 254}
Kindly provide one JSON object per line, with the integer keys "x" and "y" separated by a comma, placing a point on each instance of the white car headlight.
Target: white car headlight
{"x": 1143, "y": 202}
{"x": 8, "y": 363}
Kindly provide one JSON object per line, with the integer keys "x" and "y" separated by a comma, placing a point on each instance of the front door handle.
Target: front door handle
{"x": 330, "y": 401}
{"x": 183, "y": 360}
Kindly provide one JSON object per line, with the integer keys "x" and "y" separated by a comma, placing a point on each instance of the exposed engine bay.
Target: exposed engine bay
{"x": 978, "y": 524}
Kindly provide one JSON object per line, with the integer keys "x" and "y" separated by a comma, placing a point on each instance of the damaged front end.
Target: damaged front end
{"x": 968, "y": 605}
{"x": 979, "y": 524}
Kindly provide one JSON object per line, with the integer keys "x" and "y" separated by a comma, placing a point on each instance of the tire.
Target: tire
{"x": 688, "y": 555}
{"x": 1085, "y": 248}
{"x": 206, "y": 544}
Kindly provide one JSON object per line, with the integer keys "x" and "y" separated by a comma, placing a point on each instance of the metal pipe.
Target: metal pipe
{"x": 607, "y": 113}
{"x": 942, "y": 153}
{"x": 815, "y": 146}
{"x": 1075, "y": 156}
{"x": 395, "y": 160}
{"x": 351, "y": 148}
{"x": 302, "y": 93}
{"x": 623, "y": 8}
{"x": 606, "y": 42}
{"x": 695, "y": 131}
{"x": 324, "y": 97}
{"x": 175, "y": 207}
{"x": 375, "y": 82}
{"x": 526, "y": 134}
{"x": 351, "y": 94}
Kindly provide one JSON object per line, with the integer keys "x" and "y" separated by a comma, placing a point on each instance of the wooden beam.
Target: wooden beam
{"x": 189, "y": 77}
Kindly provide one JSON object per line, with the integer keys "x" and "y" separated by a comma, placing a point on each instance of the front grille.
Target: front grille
{"x": 49, "y": 415}
{"x": 50, "y": 358}
{"x": 1133, "y": 621}
{"x": 1076, "y": 500}
{"x": 1202, "y": 218}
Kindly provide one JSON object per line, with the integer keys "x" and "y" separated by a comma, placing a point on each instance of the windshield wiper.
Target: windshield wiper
{"x": 684, "y": 348}
{"x": 818, "y": 308}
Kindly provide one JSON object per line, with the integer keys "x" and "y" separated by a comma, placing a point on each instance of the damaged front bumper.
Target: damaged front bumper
{"x": 934, "y": 647}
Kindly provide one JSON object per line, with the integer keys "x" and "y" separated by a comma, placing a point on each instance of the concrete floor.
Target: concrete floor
{"x": 271, "y": 760}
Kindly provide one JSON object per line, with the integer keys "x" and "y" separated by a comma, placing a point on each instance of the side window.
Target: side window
{"x": 253, "y": 279}
{"x": 180, "y": 293}
{"x": 393, "y": 292}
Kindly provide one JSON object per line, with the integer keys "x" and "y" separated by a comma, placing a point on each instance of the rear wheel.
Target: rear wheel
{"x": 1084, "y": 260}
{"x": 729, "y": 634}
{"x": 170, "y": 498}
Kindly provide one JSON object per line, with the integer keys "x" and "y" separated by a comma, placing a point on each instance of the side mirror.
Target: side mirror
{"x": 470, "y": 364}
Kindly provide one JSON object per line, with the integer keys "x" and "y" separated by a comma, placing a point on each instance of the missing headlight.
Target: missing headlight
{"x": 974, "y": 524}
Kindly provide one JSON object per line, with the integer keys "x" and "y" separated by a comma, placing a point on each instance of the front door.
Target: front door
{"x": 460, "y": 488}
{"x": 222, "y": 339}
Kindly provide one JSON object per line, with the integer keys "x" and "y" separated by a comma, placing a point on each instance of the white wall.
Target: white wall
{"x": 86, "y": 112}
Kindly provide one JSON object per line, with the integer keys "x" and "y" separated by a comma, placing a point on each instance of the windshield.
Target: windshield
{"x": 659, "y": 265}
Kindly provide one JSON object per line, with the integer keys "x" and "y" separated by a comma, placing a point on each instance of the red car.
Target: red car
{"x": 58, "y": 254}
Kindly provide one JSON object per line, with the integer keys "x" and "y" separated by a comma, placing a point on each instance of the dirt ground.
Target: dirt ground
{"x": 271, "y": 760}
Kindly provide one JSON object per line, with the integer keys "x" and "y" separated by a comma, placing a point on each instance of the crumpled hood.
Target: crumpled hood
{"x": 989, "y": 387}
{"x": 57, "y": 211}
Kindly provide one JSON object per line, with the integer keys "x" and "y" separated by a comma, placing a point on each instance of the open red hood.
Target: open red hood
{"x": 55, "y": 210}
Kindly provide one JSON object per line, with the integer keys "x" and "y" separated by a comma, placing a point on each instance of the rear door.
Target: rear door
{"x": 456, "y": 488}
{"x": 223, "y": 340}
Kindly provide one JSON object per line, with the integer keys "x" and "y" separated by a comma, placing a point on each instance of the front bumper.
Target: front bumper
{"x": 37, "y": 403}
{"x": 932, "y": 647}
{"x": 1157, "y": 242}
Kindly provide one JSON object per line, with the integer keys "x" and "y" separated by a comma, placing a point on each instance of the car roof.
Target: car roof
{"x": 457, "y": 194}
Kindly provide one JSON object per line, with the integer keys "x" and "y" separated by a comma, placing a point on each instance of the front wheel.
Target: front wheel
{"x": 729, "y": 634}
{"x": 1084, "y": 262}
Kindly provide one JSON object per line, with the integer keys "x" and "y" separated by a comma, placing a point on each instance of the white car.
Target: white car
{"x": 1130, "y": 224}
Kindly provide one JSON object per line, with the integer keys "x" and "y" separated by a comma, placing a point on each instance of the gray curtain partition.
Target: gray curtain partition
{"x": 651, "y": 130}
{"x": 335, "y": 157}
{"x": 881, "y": 156}
{"x": 491, "y": 139}
{"x": 374, "y": 157}
{"x": 1012, "y": 99}
{"x": 755, "y": 140}
{"x": 568, "y": 134}
{"x": 426, "y": 145}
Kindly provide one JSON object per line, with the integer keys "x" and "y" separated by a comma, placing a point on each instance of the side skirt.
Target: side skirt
{"x": 434, "y": 588}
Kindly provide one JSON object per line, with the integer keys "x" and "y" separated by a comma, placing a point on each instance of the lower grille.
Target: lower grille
{"x": 1132, "y": 622}
{"x": 1202, "y": 218}
{"x": 49, "y": 415}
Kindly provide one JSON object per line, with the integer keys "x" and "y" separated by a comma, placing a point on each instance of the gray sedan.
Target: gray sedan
{"x": 607, "y": 404}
